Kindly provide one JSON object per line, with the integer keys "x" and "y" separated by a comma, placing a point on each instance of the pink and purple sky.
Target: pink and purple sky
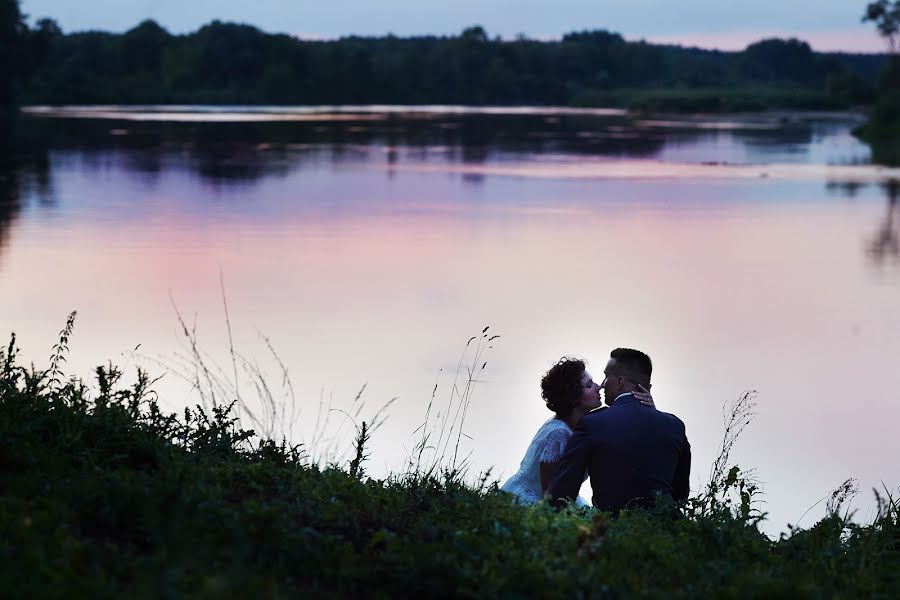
{"x": 827, "y": 25}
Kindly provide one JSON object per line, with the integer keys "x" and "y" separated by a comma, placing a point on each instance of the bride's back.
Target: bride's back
{"x": 547, "y": 445}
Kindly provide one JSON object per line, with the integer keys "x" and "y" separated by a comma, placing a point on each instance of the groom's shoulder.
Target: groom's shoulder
{"x": 595, "y": 416}
{"x": 673, "y": 420}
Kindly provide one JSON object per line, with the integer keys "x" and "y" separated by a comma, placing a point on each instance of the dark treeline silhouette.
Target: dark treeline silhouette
{"x": 12, "y": 43}
{"x": 22, "y": 49}
{"x": 883, "y": 128}
{"x": 239, "y": 64}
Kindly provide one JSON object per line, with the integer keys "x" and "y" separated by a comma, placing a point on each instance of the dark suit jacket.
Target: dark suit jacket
{"x": 631, "y": 452}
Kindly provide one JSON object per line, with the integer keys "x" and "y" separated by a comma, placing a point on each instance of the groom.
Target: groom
{"x": 632, "y": 452}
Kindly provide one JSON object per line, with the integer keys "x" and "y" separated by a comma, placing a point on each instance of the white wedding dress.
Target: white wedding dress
{"x": 548, "y": 446}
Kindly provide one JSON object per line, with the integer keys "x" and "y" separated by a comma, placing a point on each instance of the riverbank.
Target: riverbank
{"x": 104, "y": 495}
{"x": 713, "y": 100}
{"x": 882, "y": 130}
{"x": 673, "y": 100}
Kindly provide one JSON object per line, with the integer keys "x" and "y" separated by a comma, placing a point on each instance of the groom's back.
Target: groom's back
{"x": 636, "y": 452}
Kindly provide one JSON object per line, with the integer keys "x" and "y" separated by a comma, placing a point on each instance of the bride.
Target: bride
{"x": 570, "y": 392}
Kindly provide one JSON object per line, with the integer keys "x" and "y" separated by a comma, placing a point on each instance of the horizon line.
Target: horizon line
{"x": 857, "y": 40}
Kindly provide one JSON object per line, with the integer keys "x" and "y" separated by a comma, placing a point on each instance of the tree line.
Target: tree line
{"x": 234, "y": 63}
{"x": 883, "y": 127}
{"x": 22, "y": 50}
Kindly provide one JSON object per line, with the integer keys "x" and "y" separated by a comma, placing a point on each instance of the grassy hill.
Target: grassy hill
{"x": 104, "y": 495}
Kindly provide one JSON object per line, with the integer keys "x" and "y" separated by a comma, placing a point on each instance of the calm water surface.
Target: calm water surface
{"x": 369, "y": 244}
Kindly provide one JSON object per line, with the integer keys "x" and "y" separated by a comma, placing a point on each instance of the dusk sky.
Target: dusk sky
{"x": 825, "y": 24}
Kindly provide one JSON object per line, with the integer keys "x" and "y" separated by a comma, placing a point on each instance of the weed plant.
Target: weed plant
{"x": 102, "y": 494}
{"x": 262, "y": 394}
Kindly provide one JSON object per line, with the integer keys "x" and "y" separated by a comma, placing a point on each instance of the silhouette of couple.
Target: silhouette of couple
{"x": 632, "y": 452}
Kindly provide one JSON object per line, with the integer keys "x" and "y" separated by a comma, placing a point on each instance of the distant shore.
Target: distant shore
{"x": 769, "y": 118}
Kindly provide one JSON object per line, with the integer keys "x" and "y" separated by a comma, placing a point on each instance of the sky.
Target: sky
{"x": 730, "y": 25}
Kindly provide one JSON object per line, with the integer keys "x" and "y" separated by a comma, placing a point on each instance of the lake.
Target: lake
{"x": 366, "y": 245}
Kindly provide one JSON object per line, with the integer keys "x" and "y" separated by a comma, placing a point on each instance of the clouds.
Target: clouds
{"x": 703, "y": 21}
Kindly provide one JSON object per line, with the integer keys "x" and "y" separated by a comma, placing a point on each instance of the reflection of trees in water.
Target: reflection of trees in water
{"x": 884, "y": 245}
{"x": 24, "y": 172}
{"x": 20, "y": 177}
{"x": 846, "y": 188}
{"x": 480, "y": 136}
{"x": 10, "y": 201}
{"x": 244, "y": 152}
{"x": 9, "y": 185}
{"x": 886, "y": 242}
{"x": 247, "y": 151}
{"x": 792, "y": 133}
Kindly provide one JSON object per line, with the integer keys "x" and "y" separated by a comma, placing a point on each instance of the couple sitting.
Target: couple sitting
{"x": 631, "y": 451}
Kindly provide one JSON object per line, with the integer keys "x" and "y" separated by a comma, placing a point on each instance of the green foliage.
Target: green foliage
{"x": 850, "y": 88}
{"x": 781, "y": 60}
{"x": 231, "y": 63}
{"x": 883, "y": 127}
{"x": 884, "y": 121}
{"x": 885, "y": 14}
{"x": 104, "y": 495}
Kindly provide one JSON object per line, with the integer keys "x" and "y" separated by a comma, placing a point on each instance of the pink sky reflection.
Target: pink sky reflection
{"x": 741, "y": 296}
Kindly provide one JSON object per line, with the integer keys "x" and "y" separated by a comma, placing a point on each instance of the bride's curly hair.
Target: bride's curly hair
{"x": 561, "y": 386}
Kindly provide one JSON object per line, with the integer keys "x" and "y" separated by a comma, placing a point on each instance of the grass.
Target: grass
{"x": 102, "y": 494}
{"x": 262, "y": 396}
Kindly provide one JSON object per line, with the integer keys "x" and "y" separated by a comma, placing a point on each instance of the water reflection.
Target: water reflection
{"x": 882, "y": 247}
{"x": 10, "y": 202}
{"x": 885, "y": 244}
{"x": 24, "y": 173}
{"x": 848, "y": 188}
{"x": 9, "y": 184}
{"x": 246, "y": 151}
{"x": 561, "y": 145}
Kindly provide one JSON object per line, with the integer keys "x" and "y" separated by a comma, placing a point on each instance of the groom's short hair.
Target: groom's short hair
{"x": 634, "y": 365}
